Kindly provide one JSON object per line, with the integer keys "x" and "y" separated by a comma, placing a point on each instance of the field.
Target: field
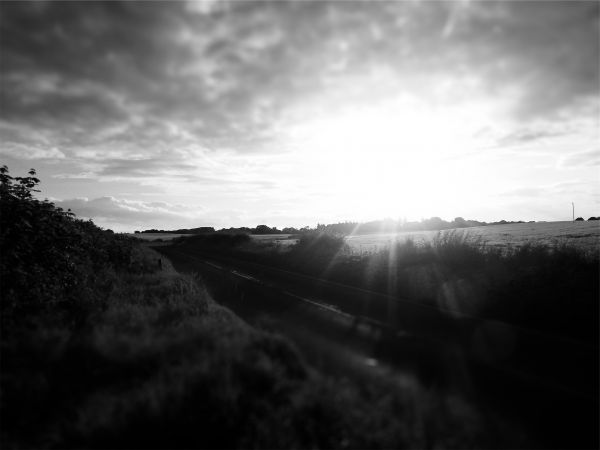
{"x": 154, "y": 236}
{"x": 583, "y": 235}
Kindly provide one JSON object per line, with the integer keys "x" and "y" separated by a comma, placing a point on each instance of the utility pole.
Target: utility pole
{"x": 573, "y": 204}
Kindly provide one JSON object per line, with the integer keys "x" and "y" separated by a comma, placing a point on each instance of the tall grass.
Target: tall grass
{"x": 554, "y": 289}
{"x": 548, "y": 288}
{"x": 160, "y": 365}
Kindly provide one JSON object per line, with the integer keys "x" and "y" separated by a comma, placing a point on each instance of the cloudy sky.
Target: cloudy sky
{"x": 217, "y": 113}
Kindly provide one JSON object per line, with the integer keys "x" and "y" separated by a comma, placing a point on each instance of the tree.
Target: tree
{"x": 47, "y": 254}
{"x": 262, "y": 229}
{"x": 459, "y": 222}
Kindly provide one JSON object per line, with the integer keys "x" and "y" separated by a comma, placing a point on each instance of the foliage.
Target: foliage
{"x": 150, "y": 361}
{"x": 216, "y": 241}
{"x": 163, "y": 366}
{"x": 552, "y": 289}
{"x": 100, "y": 349}
{"x": 48, "y": 255}
{"x": 317, "y": 247}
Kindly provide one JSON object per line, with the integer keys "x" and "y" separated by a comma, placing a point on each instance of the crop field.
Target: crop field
{"x": 154, "y": 236}
{"x": 277, "y": 239}
{"x": 584, "y": 235}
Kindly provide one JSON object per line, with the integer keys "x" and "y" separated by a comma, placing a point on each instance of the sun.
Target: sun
{"x": 388, "y": 160}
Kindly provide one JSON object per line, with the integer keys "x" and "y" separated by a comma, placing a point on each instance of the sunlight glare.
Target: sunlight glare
{"x": 390, "y": 159}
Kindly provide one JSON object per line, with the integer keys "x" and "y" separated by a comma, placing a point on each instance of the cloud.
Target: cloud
{"x": 231, "y": 74}
{"x": 581, "y": 159}
{"x": 127, "y": 215}
{"x": 524, "y": 192}
{"x": 195, "y": 97}
{"x": 30, "y": 152}
{"x": 544, "y": 53}
{"x": 526, "y": 136}
{"x": 111, "y": 210}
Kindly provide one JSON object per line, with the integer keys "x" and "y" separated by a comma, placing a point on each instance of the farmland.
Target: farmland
{"x": 583, "y": 235}
{"x": 155, "y": 236}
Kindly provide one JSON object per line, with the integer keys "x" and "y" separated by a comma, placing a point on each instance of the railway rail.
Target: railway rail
{"x": 528, "y": 355}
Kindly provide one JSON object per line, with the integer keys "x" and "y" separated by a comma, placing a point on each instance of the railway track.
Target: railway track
{"x": 528, "y": 354}
{"x": 546, "y": 382}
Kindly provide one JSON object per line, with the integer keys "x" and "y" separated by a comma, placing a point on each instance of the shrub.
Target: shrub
{"x": 48, "y": 255}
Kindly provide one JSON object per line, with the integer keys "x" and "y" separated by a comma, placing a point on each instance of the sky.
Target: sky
{"x": 172, "y": 115}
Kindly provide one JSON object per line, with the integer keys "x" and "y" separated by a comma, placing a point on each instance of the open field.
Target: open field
{"x": 584, "y": 235}
{"x": 154, "y": 236}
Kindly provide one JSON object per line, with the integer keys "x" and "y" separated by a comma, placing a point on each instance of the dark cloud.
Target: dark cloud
{"x": 226, "y": 75}
{"x": 547, "y": 50}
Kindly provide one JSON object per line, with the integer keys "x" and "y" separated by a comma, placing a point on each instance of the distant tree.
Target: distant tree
{"x": 579, "y": 219}
{"x": 262, "y": 229}
{"x": 435, "y": 223}
{"x": 459, "y": 222}
{"x": 594, "y": 218}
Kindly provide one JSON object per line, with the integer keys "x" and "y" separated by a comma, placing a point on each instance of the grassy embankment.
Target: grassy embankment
{"x": 101, "y": 349}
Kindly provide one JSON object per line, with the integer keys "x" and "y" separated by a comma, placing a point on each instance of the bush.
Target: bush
{"x": 315, "y": 253}
{"x": 48, "y": 255}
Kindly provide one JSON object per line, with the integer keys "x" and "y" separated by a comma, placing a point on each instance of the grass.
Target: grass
{"x": 552, "y": 289}
{"x": 102, "y": 349}
{"x": 158, "y": 364}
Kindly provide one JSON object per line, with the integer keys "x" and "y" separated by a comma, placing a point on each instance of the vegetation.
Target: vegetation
{"x": 346, "y": 228}
{"x": 102, "y": 349}
{"x": 162, "y": 366}
{"x": 198, "y": 230}
{"x": 551, "y": 289}
{"x": 49, "y": 256}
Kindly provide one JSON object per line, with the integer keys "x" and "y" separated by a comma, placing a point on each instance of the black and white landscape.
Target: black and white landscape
{"x": 299, "y": 224}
